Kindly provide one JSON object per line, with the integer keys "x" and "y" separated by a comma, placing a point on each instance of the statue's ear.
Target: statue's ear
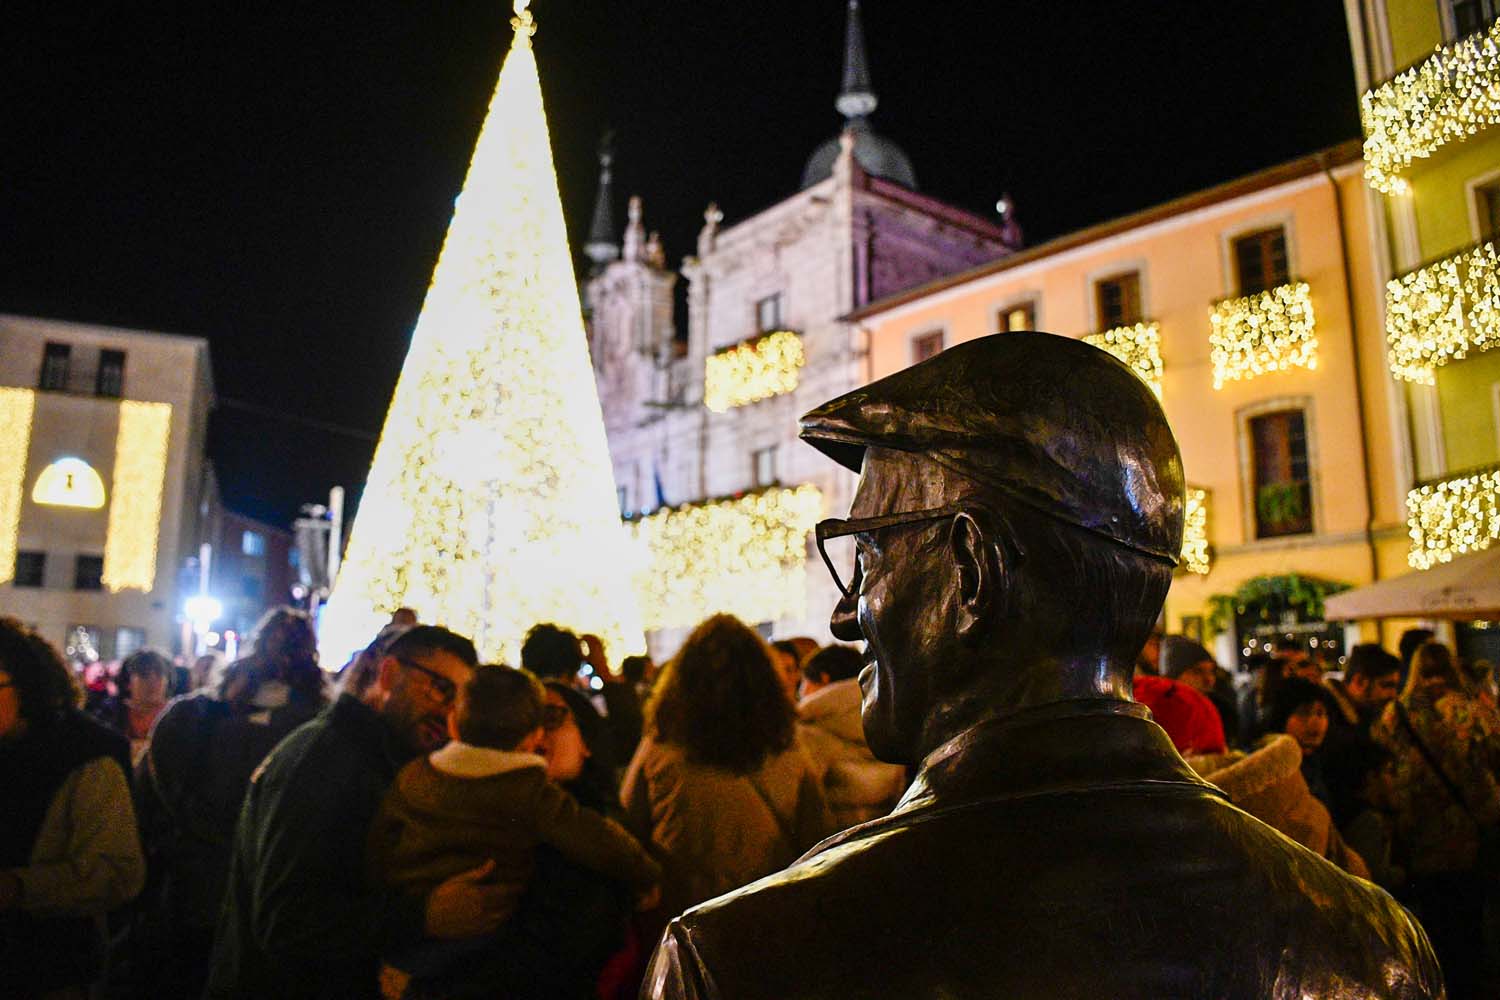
{"x": 978, "y": 562}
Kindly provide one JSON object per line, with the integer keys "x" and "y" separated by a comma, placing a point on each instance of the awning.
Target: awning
{"x": 1465, "y": 588}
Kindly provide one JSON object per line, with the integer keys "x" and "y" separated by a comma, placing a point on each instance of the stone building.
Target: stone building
{"x": 702, "y": 431}
{"x": 101, "y": 469}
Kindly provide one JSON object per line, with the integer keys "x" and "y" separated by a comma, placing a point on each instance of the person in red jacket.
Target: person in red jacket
{"x": 1189, "y": 718}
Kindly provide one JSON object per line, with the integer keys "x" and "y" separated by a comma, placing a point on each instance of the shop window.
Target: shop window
{"x": 1017, "y": 317}
{"x": 31, "y": 569}
{"x": 1260, "y": 260}
{"x": 1118, "y": 299}
{"x": 109, "y": 380}
{"x": 88, "y": 572}
{"x": 926, "y": 345}
{"x": 1467, "y": 16}
{"x": 128, "y": 640}
{"x": 55, "y": 360}
{"x": 1282, "y": 486}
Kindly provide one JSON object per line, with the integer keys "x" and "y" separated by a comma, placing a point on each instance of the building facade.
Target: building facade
{"x": 102, "y": 435}
{"x": 1251, "y": 310}
{"x": 702, "y": 431}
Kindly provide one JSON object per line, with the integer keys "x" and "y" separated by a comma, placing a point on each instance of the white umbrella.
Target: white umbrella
{"x": 1466, "y": 587}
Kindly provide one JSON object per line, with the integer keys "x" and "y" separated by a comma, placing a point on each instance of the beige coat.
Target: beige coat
{"x": 858, "y": 786}
{"x": 715, "y": 830}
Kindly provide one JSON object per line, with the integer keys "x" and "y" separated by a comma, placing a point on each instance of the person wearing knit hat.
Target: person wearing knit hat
{"x": 1187, "y": 661}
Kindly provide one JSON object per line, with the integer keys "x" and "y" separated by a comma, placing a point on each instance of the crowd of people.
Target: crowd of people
{"x": 422, "y": 825}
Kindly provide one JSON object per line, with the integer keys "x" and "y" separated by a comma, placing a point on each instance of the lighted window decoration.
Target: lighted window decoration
{"x": 756, "y": 369}
{"x": 1195, "y": 552}
{"x": 136, "y": 489}
{"x": 16, "y": 407}
{"x": 490, "y": 503}
{"x": 69, "y": 482}
{"x": 1451, "y": 95}
{"x": 1443, "y": 312}
{"x": 1266, "y": 332}
{"x": 1139, "y": 346}
{"x": 1451, "y": 517}
{"x": 746, "y": 556}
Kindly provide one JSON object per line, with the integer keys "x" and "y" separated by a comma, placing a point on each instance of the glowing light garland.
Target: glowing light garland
{"x": 135, "y": 491}
{"x": 16, "y": 409}
{"x": 1442, "y": 312}
{"x": 1452, "y": 517}
{"x": 490, "y": 504}
{"x": 1266, "y": 332}
{"x": 1453, "y": 94}
{"x": 756, "y": 369}
{"x": 746, "y": 556}
{"x": 1195, "y": 552}
{"x": 1139, "y": 346}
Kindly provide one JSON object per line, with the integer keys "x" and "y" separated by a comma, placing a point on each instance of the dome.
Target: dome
{"x": 876, "y": 155}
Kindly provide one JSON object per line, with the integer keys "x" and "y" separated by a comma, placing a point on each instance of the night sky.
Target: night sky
{"x": 277, "y": 177}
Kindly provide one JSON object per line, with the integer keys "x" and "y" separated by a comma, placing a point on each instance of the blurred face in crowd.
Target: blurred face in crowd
{"x": 419, "y": 690}
{"x": 1302, "y": 664}
{"x": 787, "y": 671}
{"x": 1374, "y": 692}
{"x": 10, "y": 707}
{"x": 1200, "y": 676}
{"x": 1150, "y": 654}
{"x": 562, "y": 742}
{"x": 1308, "y": 725}
{"x": 148, "y": 687}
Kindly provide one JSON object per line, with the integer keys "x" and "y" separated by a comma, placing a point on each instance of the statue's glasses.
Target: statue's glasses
{"x": 838, "y": 527}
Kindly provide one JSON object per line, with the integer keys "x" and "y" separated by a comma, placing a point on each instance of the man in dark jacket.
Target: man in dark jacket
{"x": 300, "y": 919}
{"x": 1018, "y": 516}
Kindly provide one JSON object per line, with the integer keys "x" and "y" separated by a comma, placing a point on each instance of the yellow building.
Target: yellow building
{"x": 1252, "y": 308}
{"x": 1429, "y": 80}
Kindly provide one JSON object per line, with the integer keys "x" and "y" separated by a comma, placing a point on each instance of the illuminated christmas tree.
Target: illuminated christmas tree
{"x": 491, "y": 503}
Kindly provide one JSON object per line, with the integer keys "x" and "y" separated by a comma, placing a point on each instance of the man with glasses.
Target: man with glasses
{"x": 300, "y": 919}
{"x": 1015, "y": 529}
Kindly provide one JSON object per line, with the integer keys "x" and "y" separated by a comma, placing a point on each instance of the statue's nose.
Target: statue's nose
{"x": 844, "y": 624}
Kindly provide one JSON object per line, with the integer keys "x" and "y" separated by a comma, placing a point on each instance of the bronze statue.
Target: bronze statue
{"x": 1017, "y": 521}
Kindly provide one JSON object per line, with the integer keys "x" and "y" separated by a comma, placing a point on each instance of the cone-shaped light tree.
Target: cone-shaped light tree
{"x": 491, "y": 504}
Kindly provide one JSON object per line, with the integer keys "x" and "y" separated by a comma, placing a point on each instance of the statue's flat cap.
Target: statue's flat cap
{"x": 1050, "y": 422}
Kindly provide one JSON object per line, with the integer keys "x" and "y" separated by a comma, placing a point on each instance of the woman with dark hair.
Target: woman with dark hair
{"x": 1447, "y": 799}
{"x": 68, "y": 847}
{"x": 142, "y": 688}
{"x": 720, "y": 784}
{"x": 193, "y": 778}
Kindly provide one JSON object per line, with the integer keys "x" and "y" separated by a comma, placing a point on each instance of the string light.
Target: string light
{"x": 755, "y": 369}
{"x": 1266, "y": 332}
{"x": 1448, "y": 97}
{"x": 135, "y": 488}
{"x": 16, "y": 408}
{"x": 1139, "y": 346}
{"x": 1452, "y": 517}
{"x": 746, "y": 556}
{"x": 1195, "y": 553}
{"x": 1442, "y": 312}
{"x": 490, "y": 504}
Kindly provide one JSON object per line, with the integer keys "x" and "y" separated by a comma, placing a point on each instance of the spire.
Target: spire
{"x": 635, "y": 233}
{"x": 857, "y": 99}
{"x": 603, "y": 246}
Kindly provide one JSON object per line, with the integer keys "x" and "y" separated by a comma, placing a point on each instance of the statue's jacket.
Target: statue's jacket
{"x": 1063, "y": 852}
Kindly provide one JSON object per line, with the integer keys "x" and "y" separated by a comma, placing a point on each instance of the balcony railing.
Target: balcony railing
{"x": 1443, "y": 312}
{"x": 1139, "y": 346}
{"x": 1452, "y": 516}
{"x": 1447, "y": 97}
{"x": 1266, "y": 332}
{"x": 755, "y": 369}
{"x": 1197, "y": 556}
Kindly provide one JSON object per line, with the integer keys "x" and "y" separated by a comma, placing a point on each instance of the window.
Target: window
{"x": 1282, "y": 488}
{"x": 54, "y": 366}
{"x": 763, "y": 466}
{"x": 88, "y": 572}
{"x": 83, "y": 642}
{"x": 624, "y": 499}
{"x": 1487, "y": 208}
{"x": 926, "y": 345}
{"x": 1260, "y": 260}
{"x": 1468, "y": 16}
{"x": 31, "y": 569}
{"x": 1119, "y": 300}
{"x": 1017, "y": 317}
{"x": 252, "y": 543}
{"x": 128, "y": 640}
{"x": 110, "y": 378}
{"x": 768, "y": 313}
